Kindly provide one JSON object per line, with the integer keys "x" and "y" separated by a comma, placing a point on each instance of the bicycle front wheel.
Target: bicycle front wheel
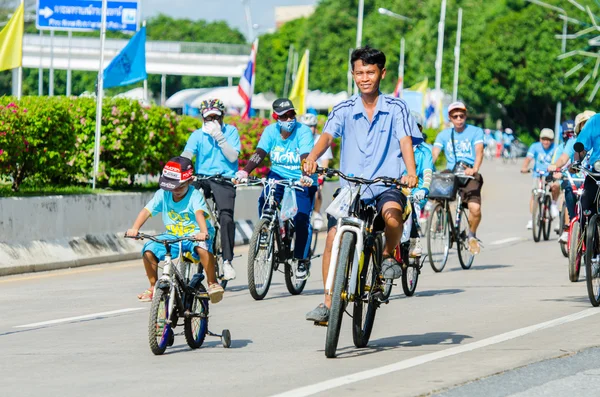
{"x": 260, "y": 260}
{"x": 465, "y": 257}
{"x": 159, "y": 332}
{"x": 592, "y": 258}
{"x": 547, "y": 218}
{"x": 438, "y": 237}
{"x": 365, "y": 305}
{"x": 294, "y": 286}
{"x": 575, "y": 246}
{"x": 195, "y": 327}
{"x": 339, "y": 297}
{"x": 536, "y": 219}
{"x": 410, "y": 277}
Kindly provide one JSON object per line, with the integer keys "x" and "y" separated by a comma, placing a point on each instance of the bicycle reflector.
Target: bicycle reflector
{"x": 597, "y": 166}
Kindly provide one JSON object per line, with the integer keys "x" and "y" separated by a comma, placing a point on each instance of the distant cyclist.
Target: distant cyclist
{"x": 310, "y": 120}
{"x": 217, "y": 147}
{"x": 541, "y": 154}
{"x": 507, "y": 140}
{"x": 288, "y": 142}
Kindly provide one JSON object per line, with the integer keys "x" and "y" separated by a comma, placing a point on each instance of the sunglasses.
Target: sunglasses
{"x": 458, "y": 116}
{"x": 212, "y": 117}
{"x": 287, "y": 116}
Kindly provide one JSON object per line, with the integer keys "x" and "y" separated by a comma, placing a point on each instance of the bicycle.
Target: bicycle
{"x": 540, "y": 212}
{"x": 508, "y": 154}
{"x": 271, "y": 244}
{"x": 355, "y": 265}
{"x": 443, "y": 232}
{"x": 178, "y": 293}
{"x": 212, "y": 209}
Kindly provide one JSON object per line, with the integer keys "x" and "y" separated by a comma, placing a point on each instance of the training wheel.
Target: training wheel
{"x": 226, "y": 338}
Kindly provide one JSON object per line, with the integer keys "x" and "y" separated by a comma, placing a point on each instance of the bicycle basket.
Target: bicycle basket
{"x": 443, "y": 187}
{"x": 289, "y": 206}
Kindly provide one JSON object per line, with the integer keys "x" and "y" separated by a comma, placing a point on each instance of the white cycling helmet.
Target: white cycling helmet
{"x": 309, "y": 119}
{"x": 508, "y": 131}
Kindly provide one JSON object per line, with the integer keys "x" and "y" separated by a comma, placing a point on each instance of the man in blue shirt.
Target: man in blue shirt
{"x": 542, "y": 153}
{"x": 463, "y": 146}
{"x": 217, "y": 147}
{"x": 377, "y": 133}
{"x": 590, "y": 138}
{"x": 288, "y": 142}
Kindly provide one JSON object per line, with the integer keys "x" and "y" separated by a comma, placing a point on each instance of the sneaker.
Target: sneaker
{"x": 215, "y": 293}
{"x": 320, "y": 314}
{"x": 474, "y": 245}
{"x": 415, "y": 249}
{"x": 302, "y": 270}
{"x": 554, "y": 212}
{"x": 529, "y": 224}
{"x": 146, "y": 296}
{"x": 564, "y": 237}
{"x": 317, "y": 221}
{"x": 228, "y": 271}
{"x": 390, "y": 268}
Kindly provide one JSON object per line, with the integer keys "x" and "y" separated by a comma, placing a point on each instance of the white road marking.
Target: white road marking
{"x": 85, "y": 317}
{"x": 415, "y": 361}
{"x": 507, "y": 240}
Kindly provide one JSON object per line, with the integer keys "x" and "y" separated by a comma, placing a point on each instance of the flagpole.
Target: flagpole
{"x": 100, "y": 94}
{"x": 457, "y": 57}
{"x": 306, "y": 80}
{"x": 401, "y": 68}
{"x": 20, "y": 71}
{"x": 145, "y": 80}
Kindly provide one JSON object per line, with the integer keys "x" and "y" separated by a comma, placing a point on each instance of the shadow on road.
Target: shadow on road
{"x": 438, "y": 292}
{"x": 286, "y": 294}
{"x": 483, "y": 267}
{"x": 209, "y": 344}
{"x": 575, "y": 299}
{"x": 395, "y": 342}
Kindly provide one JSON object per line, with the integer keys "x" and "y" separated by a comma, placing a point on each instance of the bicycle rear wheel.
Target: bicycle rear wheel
{"x": 339, "y": 297}
{"x": 575, "y": 246}
{"x": 465, "y": 257}
{"x": 159, "y": 332}
{"x": 195, "y": 328}
{"x": 294, "y": 286}
{"x": 547, "y": 218}
{"x": 365, "y": 304}
{"x": 592, "y": 260}
{"x": 218, "y": 253}
{"x": 438, "y": 237}
{"x": 261, "y": 259}
{"x": 410, "y": 277}
{"x": 313, "y": 244}
{"x": 536, "y": 214}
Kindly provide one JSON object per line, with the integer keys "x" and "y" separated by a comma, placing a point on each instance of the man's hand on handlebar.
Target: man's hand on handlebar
{"x": 309, "y": 166}
{"x": 201, "y": 236}
{"x": 306, "y": 181}
{"x": 410, "y": 180}
{"x": 470, "y": 171}
{"x": 525, "y": 170}
{"x": 132, "y": 232}
{"x": 552, "y": 168}
{"x": 557, "y": 175}
{"x": 240, "y": 177}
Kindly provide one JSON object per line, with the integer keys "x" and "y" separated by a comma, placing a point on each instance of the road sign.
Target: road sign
{"x": 85, "y": 15}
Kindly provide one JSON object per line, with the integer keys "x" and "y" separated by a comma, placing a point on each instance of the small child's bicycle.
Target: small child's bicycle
{"x": 179, "y": 293}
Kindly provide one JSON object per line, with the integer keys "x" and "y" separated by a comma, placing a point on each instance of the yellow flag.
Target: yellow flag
{"x": 11, "y": 41}
{"x": 300, "y": 87}
{"x": 420, "y": 87}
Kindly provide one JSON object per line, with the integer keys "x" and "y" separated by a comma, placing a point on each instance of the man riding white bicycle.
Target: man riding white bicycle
{"x": 377, "y": 134}
{"x": 217, "y": 147}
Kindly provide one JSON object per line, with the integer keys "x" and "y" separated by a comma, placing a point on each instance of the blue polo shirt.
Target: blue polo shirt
{"x": 285, "y": 153}
{"x": 372, "y": 148}
{"x": 590, "y": 138}
{"x": 210, "y": 159}
{"x": 542, "y": 157}
{"x": 465, "y": 143}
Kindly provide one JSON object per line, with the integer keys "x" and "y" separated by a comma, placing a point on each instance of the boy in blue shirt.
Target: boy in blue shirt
{"x": 184, "y": 213}
{"x": 288, "y": 142}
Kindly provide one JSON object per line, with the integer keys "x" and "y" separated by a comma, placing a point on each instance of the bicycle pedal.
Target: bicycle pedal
{"x": 321, "y": 323}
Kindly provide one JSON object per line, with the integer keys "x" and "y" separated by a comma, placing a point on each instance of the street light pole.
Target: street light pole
{"x": 440, "y": 49}
{"x": 359, "y": 27}
{"x": 389, "y": 13}
{"x": 457, "y": 56}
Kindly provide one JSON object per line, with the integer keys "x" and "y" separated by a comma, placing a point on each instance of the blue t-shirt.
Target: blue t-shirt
{"x": 423, "y": 161}
{"x": 465, "y": 143}
{"x": 210, "y": 159}
{"x": 508, "y": 139}
{"x": 285, "y": 153}
{"x": 498, "y": 136}
{"x": 542, "y": 157}
{"x": 590, "y": 138}
{"x": 179, "y": 217}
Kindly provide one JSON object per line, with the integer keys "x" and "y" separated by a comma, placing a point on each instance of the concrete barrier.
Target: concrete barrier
{"x": 54, "y": 232}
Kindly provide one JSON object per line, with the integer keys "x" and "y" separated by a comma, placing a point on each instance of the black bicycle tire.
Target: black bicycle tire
{"x": 435, "y": 268}
{"x": 590, "y": 248}
{"x": 536, "y": 217}
{"x": 464, "y": 248}
{"x": 263, "y": 223}
{"x": 405, "y": 287}
{"x": 575, "y": 252}
{"x": 192, "y": 340}
{"x": 157, "y": 348}
{"x": 218, "y": 253}
{"x": 546, "y": 216}
{"x": 289, "y": 282}
{"x": 361, "y": 331}
{"x": 388, "y": 284}
{"x": 346, "y": 254}
{"x": 313, "y": 245}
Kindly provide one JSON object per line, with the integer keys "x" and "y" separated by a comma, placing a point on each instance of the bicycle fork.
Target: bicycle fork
{"x": 355, "y": 226}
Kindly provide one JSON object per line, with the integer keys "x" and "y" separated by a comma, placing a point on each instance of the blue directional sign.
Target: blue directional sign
{"x": 86, "y": 15}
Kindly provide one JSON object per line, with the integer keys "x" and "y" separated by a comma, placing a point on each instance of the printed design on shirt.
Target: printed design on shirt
{"x": 183, "y": 224}
{"x": 285, "y": 158}
{"x": 464, "y": 148}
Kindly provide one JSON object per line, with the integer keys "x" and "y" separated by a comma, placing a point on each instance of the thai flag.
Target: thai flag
{"x": 246, "y": 86}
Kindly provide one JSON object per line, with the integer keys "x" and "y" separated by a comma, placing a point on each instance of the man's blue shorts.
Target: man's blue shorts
{"x": 160, "y": 251}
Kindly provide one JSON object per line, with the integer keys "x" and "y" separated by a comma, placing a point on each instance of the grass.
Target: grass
{"x": 31, "y": 191}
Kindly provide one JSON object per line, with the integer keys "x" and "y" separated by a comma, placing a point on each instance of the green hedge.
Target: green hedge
{"x": 50, "y": 141}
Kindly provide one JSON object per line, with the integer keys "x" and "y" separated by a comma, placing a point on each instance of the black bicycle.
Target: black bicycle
{"x": 179, "y": 293}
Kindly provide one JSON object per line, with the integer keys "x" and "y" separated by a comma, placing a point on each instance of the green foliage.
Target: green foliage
{"x": 250, "y": 133}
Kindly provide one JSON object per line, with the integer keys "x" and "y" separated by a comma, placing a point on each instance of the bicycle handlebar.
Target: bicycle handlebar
{"x": 142, "y": 236}
{"x": 216, "y": 178}
{"x": 386, "y": 180}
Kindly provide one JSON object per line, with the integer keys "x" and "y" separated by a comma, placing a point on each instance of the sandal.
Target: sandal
{"x": 215, "y": 293}
{"x": 146, "y": 296}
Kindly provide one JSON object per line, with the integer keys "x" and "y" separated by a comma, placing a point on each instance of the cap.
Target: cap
{"x": 508, "y": 130}
{"x": 282, "y": 106}
{"x": 546, "y": 133}
{"x": 581, "y": 118}
{"x": 456, "y": 106}
{"x": 177, "y": 171}
{"x": 210, "y": 112}
{"x": 568, "y": 125}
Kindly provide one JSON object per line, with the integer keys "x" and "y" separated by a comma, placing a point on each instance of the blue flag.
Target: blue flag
{"x": 129, "y": 66}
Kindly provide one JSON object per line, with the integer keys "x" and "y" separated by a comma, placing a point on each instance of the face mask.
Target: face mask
{"x": 287, "y": 125}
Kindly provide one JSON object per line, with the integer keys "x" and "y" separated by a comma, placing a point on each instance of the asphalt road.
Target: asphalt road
{"x": 82, "y": 332}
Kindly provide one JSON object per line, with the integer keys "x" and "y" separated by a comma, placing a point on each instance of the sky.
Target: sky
{"x": 231, "y": 11}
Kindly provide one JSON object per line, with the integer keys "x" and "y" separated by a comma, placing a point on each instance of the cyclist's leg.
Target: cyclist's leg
{"x": 588, "y": 199}
{"x": 391, "y": 205}
{"x": 152, "y": 253}
{"x": 471, "y": 195}
{"x": 225, "y": 202}
{"x": 202, "y": 251}
{"x": 569, "y": 200}
{"x": 305, "y": 200}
